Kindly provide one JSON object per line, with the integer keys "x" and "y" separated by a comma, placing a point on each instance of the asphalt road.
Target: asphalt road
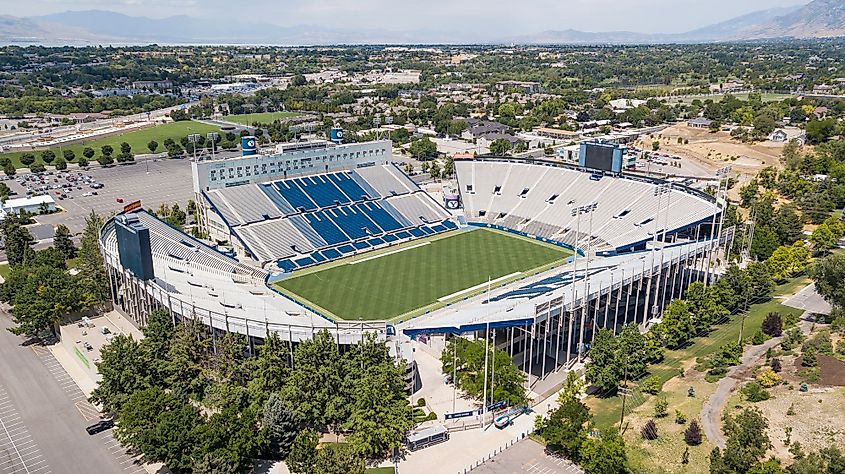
{"x": 43, "y": 416}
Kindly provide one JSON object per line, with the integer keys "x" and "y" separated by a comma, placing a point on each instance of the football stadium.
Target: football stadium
{"x": 325, "y": 235}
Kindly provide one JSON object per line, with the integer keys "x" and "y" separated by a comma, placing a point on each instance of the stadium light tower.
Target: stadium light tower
{"x": 212, "y": 137}
{"x": 579, "y": 211}
{"x": 194, "y": 138}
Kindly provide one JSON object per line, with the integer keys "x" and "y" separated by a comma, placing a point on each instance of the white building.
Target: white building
{"x": 32, "y": 205}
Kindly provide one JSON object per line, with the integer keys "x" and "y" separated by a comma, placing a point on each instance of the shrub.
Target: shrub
{"x": 810, "y": 374}
{"x": 791, "y": 410}
{"x": 776, "y": 365}
{"x": 754, "y": 392}
{"x": 651, "y": 385}
{"x": 768, "y": 378}
{"x": 83, "y": 162}
{"x": 680, "y": 418}
{"x": 661, "y": 408}
{"x": 421, "y": 402}
{"x": 692, "y": 435}
{"x": 809, "y": 359}
{"x": 730, "y": 353}
{"x": 794, "y": 337}
{"x": 649, "y": 430}
{"x": 432, "y": 416}
{"x": 37, "y": 168}
{"x": 821, "y": 343}
{"x": 773, "y": 325}
{"x": 758, "y": 338}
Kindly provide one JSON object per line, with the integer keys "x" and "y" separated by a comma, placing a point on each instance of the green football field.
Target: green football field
{"x": 421, "y": 275}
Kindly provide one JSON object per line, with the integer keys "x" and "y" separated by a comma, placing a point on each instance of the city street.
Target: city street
{"x": 43, "y": 416}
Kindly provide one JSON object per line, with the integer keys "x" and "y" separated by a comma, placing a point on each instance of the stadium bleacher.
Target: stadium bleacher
{"x": 308, "y": 220}
{"x": 538, "y": 200}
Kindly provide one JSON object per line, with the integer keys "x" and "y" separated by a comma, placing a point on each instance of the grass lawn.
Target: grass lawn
{"x": 264, "y": 117}
{"x": 137, "y": 139}
{"x": 5, "y": 270}
{"x": 380, "y": 470}
{"x": 606, "y": 410}
{"x": 391, "y": 283}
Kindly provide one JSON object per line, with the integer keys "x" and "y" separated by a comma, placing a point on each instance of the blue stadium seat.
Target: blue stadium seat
{"x": 450, "y": 225}
{"x": 326, "y": 228}
{"x": 416, "y": 232}
{"x": 286, "y": 265}
{"x": 349, "y": 187}
{"x": 381, "y": 217}
{"x": 331, "y": 254}
{"x": 321, "y": 190}
{"x": 344, "y": 249}
{"x": 376, "y": 241}
{"x": 294, "y": 195}
{"x": 304, "y": 261}
{"x": 318, "y": 257}
{"x": 426, "y": 229}
{"x": 361, "y": 245}
{"x": 390, "y": 238}
{"x": 355, "y": 223}
{"x": 405, "y": 234}
{"x": 439, "y": 228}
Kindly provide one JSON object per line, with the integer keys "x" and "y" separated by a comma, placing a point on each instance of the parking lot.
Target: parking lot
{"x": 152, "y": 181}
{"x": 46, "y": 414}
{"x": 18, "y": 451}
{"x": 527, "y": 457}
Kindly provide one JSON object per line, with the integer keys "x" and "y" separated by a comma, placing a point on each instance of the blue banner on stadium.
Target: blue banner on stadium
{"x": 460, "y": 414}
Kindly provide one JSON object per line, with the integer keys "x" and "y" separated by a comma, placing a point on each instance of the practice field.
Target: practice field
{"x": 263, "y": 117}
{"x": 420, "y": 275}
{"x": 137, "y": 139}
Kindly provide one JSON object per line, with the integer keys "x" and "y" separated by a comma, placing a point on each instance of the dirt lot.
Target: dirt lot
{"x": 716, "y": 150}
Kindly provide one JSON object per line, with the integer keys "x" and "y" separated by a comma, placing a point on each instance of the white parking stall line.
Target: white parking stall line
{"x": 23, "y": 454}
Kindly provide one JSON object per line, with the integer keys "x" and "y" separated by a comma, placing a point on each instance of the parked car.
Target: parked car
{"x": 100, "y": 426}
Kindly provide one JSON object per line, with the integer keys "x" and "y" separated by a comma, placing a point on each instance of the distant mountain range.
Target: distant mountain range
{"x": 817, "y": 19}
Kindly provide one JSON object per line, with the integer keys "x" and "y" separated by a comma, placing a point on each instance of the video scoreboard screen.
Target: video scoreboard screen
{"x": 601, "y": 156}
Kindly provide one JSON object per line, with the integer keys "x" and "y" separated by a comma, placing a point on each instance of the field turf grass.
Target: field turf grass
{"x": 264, "y": 117}
{"x": 413, "y": 280}
{"x": 137, "y": 139}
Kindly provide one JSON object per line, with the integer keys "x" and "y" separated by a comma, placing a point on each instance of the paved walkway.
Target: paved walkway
{"x": 711, "y": 412}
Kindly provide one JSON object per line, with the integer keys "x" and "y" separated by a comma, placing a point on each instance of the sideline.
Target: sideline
{"x": 373, "y": 257}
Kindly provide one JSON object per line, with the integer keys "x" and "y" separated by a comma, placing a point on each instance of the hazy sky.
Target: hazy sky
{"x": 513, "y": 17}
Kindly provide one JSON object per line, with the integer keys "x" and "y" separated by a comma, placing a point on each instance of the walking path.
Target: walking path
{"x": 711, "y": 412}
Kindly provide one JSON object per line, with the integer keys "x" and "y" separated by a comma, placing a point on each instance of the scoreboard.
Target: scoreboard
{"x": 601, "y": 156}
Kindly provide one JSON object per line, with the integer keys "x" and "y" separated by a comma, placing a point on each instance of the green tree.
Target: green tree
{"x": 828, "y": 273}
{"x": 303, "y": 452}
{"x": 765, "y": 242}
{"x": 823, "y": 239}
{"x": 565, "y": 427}
{"x": 107, "y": 150}
{"x": 18, "y": 241}
{"x": 125, "y": 368}
{"x": 27, "y": 159}
{"x": 315, "y": 387}
{"x": 677, "y": 326}
{"x": 500, "y": 146}
{"x": 786, "y": 262}
{"x": 162, "y": 426}
{"x": 69, "y": 155}
{"x": 434, "y": 170}
{"x": 186, "y": 358}
{"x": 47, "y": 156}
{"x": 746, "y": 444}
{"x": 61, "y": 164}
{"x": 611, "y": 356}
{"x": 469, "y": 355}
{"x": 281, "y": 427}
{"x": 88, "y": 152}
{"x": 338, "y": 459}
{"x": 380, "y": 414}
{"x": 125, "y": 148}
{"x": 93, "y": 279}
{"x": 40, "y": 294}
{"x": 605, "y": 454}
{"x": 62, "y": 242}
{"x": 9, "y": 169}
{"x": 152, "y": 146}
{"x": 423, "y": 149}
